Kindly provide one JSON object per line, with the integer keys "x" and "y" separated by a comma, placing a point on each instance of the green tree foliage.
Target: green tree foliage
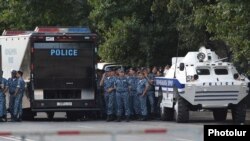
{"x": 143, "y": 32}
{"x": 228, "y": 20}
{"x": 27, "y": 14}
{"x": 132, "y": 33}
{"x": 191, "y": 36}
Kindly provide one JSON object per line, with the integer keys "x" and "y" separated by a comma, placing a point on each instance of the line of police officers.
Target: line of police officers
{"x": 129, "y": 92}
{"x": 16, "y": 87}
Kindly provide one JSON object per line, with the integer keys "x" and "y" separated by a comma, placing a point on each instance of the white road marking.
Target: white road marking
{"x": 21, "y": 138}
{"x": 10, "y": 138}
{"x": 13, "y": 138}
{"x": 180, "y": 139}
{"x": 88, "y": 127}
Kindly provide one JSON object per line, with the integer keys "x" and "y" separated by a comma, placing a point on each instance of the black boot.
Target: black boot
{"x": 118, "y": 119}
{"x": 143, "y": 118}
{"x": 137, "y": 117}
{"x": 152, "y": 116}
{"x": 5, "y": 118}
{"x": 14, "y": 119}
{"x": 19, "y": 119}
{"x": 1, "y": 119}
{"x": 112, "y": 117}
{"x": 108, "y": 118}
{"x": 127, "y": 119}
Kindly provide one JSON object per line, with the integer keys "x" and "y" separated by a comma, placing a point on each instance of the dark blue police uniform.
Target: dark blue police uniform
{"x": 122, "y": 96}
{"x": 12, "y": 85}
{"x": 109, "y": 96}
{"x": 3, "y": 85}
{"x": 18, "y": 98}
{"x": 151, "y": 93}
{"x": 134, "y": 103}
{"x": 141, "y": 85}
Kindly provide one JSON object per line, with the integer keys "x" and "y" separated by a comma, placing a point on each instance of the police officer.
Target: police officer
{"x": 151, "y": 91}
{"x": 122, "y": 95}
{"x": 3, "y": 90}
{"x": 107, "y": 81}
{"x": 141, "y": 91}
{"x": 134, "y": 99}
{"x": 17, "y": 113}
{"x": 100, "y": 92}
{"x": 12, "y": 84}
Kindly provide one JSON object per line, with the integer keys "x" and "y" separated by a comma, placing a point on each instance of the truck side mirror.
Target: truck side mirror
{"x": 182, "y": 66}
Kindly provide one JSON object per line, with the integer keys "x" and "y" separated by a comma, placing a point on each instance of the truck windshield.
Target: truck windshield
{"x": 63, "y": 60}
{"x": 203, "y": 71}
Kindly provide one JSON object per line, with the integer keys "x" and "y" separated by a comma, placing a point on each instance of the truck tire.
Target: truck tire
{"x": 220, "y": 114}
{"x": 181, "y": 109}
{"x": 167, "y": 114}
{"x": 239, "y": 111}
{"x": 72, "y": 116}
{"x": 28, "y": 115}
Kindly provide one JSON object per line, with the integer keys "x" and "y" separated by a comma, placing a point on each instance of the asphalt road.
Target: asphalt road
{"x": 192, "y": 131}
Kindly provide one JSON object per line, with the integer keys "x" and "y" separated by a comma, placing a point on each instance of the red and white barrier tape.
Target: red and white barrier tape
{"x": 78, "y": 132}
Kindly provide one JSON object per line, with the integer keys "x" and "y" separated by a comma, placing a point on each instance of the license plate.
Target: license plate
{"x": 64, "y": 103}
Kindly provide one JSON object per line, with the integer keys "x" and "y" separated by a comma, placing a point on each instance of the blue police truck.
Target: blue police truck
{"x": 59, "y": 66}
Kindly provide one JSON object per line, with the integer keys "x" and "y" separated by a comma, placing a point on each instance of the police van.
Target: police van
{"x": 59, "y": 68}
{"x": 201, "y": 80}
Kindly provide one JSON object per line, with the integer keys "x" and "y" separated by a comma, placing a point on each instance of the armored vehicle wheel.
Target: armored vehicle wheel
{"x": 167, "y": 114}
{"x": 220, "y": 114}
{"x": 181, "y": 110}
{"x": 239, "y": 111}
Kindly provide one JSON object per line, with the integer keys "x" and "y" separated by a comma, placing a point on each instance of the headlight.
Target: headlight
{"x": 192, "y": 78}
{"x": 189, "y": 78}
{"x": 196, "y": 77}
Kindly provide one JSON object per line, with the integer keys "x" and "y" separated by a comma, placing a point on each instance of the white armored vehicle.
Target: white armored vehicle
{"x": 201, "y": 80}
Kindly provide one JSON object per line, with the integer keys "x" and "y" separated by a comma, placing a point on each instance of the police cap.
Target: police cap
{"x": 132, "y": 68}
{"x": 121, "y": 70}
{"x": 13, "y": 71}
{"x": 20, "y": 72}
